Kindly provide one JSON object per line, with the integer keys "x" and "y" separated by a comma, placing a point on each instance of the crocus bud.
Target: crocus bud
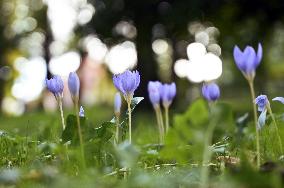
{"x": 55, "y": 85}
{"x": 74, "y": 84}
{"x": 154, "y": 92}
{"x": 127, "y": 83}
{"x": 248, "y": 60}
{"x": 81, "y": 112}
{"x": 210, "y": 91}
{"x": 168, "y": 92}
{"x": 117, "y": 103}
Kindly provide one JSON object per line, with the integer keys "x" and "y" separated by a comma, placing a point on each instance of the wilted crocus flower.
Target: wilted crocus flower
{"x": 248, "y": 60}
{"x": 168, "y": 92}
{"x": 261, "y": 101}
{"x": 55, "y": 85}
{"x": 81, "y": 112}
{"x": 74, "y": 85}
{"x": 154, "y": 93}
{"x": 127, "y": 83}
{"x": 264, "y": 106}
{"x": 117, "y": 103}
{"x": 210, "y": 91}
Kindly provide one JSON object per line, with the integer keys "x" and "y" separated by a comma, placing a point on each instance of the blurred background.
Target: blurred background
{"x": 98, "y": 38}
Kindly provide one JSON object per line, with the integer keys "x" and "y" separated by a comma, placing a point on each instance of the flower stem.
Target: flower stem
{"x": 159, "y": 124}
{"x": 207, "y": 153}
{"x": 167, "y": 118}
{"x": 275, "y": 124}
{"x": 129, "y": 119}
{"x": 251, "y": 86}
{"x": 61, "y": 112}
{"x": 117, "y": 130}
{"x": 80, "y": 134}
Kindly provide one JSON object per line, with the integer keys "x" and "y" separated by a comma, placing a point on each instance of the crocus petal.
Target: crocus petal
{"x": 280, "y": 99}
{"x": 238, "y": 57}
{"x": 117, "y": 102}
{"x": 259, "y": 54}
{"x": 261, "y": 119}
{"x": 249, "y": 56}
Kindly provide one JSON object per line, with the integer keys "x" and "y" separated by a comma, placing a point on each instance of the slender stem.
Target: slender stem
{"x": 129, "y": 119}
{"x": 117, "y": 129}
{"x": 61, "y": 112}
{"x": 159, "y": 125}
{"x": 80, "y": 133}
{"x": 161, "y": 122}
{"x": 167, "y": 118}
{"x": 276, "y": 127}
{"x": 251, "y": 86}
{"x": 207, "y": 153}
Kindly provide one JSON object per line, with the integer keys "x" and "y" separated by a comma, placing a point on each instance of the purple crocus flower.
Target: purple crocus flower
{"x": 248, "y": 60}
{"x": 127, "y": 83}
{"x": 117, "y": 103}
{"x": 168, "y": 92}
{"x": 81, "y": 112}
{"x": 210, "y": 91}
{"x": 261, "y": 101}
{"x": 55, "y": 85}
{"x": 74, "y": 84}
{"x": 154, "y": 92}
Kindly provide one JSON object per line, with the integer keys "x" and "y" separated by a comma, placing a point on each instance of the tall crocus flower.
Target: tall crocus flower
{"x": 263, "y": 106}
{"x": 117, "y": 107}
{"x": 155, "y": 97}
{"x": 55, "y": 85}
{"x": 168, "y": 93}
{"x": 127, "y": 83}
{"x": 74, "y": 88}
{"x": 210, "y": 91}
{"x": 247, "y": 61}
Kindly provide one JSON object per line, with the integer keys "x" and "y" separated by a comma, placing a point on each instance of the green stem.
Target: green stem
{"x": 167, "y": 118}
{"x": 276, "y": 127}
{"x": 251, "y": 86}
{"x": 80, "y": 134}
{"x": 117, "y": 129}
{"x": 159, "y": 125}
{"x": 61, "y": 112}
{"x": 207, "y": 153}
{"x": 129, "y": 119}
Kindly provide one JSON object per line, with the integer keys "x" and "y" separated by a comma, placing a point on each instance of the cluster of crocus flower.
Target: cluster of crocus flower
{"x": 127, "y": 82}
{"x": 165, "y": 93}
{"x": 56, "y": 86}
{"x": 247, "y": 61}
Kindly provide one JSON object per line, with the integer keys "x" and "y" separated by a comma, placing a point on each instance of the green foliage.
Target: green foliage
{"x": 54, "y": 162}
